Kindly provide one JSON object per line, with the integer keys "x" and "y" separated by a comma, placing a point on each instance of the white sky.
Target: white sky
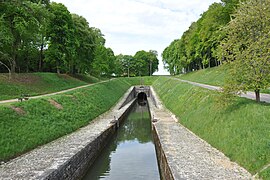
{"x": 133, "y": 25}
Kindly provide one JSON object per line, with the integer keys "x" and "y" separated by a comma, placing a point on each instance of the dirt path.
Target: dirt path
{"x": 50, "y": 94}
{"x": 248, "y": 95}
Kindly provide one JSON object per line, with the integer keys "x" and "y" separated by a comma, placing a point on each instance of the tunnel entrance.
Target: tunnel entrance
{"x": 142, "y": 98}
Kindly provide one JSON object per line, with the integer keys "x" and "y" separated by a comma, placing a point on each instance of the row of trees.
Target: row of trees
{"x": 198, "y": 46}
{"x": 37, "y": 35}
{"x": 231, "y": 32}
{"x": 141, "y": 64}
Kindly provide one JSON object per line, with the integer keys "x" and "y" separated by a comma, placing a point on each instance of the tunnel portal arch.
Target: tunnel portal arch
{"x": 142, "y": 98}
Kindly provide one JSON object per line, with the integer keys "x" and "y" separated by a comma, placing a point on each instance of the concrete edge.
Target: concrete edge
{"x": 163, "y": 165}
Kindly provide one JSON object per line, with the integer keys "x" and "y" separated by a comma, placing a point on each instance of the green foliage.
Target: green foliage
{"x": 246, "y": 46}
{"x": 125, "y": 65}
{"x": 104, "y": 62}
{"x": 241, "y": 131}
{"x": 145, "y": 63}
{"x": 38, "y": 36}
{"x": 42, "y": 122}
{"x": 84, "y": 45}
{"x": 20, "y": 27}
{"x": 60, "y": 34}
{"x": 198, "y": 46}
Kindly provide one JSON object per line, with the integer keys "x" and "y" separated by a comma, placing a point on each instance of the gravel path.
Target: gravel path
{"x": 50, "y": 94}
{"x": 248, "y": 95}
{"x": 188, "y": 156}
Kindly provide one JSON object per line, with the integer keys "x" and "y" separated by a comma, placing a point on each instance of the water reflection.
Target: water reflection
{"x": 131, "y": 153}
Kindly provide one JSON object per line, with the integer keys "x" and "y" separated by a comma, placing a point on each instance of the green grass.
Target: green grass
{"x": 145, "y": 80}
{"x": 39, "y": 83}
{"x": 265, "y": 174}
{"x": 43, "y": 122}
{"x": 212, "y": 76}
{"x": 241, "y": 131}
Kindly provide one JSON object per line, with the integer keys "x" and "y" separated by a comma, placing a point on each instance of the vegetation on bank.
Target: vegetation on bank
{"x": 211, "y": 76}
{"x": 240, "y": 131}
{"x": 39, "y": 83}
{"x": 215, "y": 76}
{"x": 232, "y": 32}
{"x": 28, "y": 124}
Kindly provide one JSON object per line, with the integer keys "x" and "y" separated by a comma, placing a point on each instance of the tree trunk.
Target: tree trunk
{"x": 257, "y": 93}
{"x": 40, "y": 64}
{"x": 58, "y": 66}
{"x": 13, "y": 66}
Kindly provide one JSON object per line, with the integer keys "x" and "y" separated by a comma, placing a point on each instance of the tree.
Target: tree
{"x": 145, "y": 63}
{"x": 247, "y": 47}
{"x": 198, "y": 46}
{"x": 104, "y": 61}
{"x": 124, "y": 65}
{"x": 20, "y": 26}
{"x": 60, "y": 34}
{"x": 84, "y": 43}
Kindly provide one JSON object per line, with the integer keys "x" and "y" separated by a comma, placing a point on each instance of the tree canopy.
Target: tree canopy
{"x": 44, "y": 36}
{"x": 198, "y": 46}
{"x": 247, "y": 47}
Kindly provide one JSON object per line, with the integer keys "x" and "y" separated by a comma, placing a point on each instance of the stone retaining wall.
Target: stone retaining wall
{"x": 164, "y": 169}
{"x": 78, "y": 165}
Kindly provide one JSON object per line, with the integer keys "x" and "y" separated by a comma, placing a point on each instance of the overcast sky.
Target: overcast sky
{"x": 133, "y": 25}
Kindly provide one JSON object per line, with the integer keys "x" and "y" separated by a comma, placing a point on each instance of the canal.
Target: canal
{"x": 131, "y": 152}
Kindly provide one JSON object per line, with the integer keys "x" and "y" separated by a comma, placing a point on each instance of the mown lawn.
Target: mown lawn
{"x": 39, "y": 83}
{"x": 241, "y": 130}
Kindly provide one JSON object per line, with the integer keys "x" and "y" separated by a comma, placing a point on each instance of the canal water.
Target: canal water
{"x": 131, "y": 152}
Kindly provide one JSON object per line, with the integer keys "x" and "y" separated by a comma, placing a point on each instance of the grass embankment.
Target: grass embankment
{"x": 28, "y": 124}
{"x": 215, "y": 76}
{"x": 39, "y": 83}
{"x": 212, "y": 76}
{"x": 241, "y": 131}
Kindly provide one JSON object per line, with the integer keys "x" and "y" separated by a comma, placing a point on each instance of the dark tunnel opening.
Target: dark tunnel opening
{"x": 142, "y": 98}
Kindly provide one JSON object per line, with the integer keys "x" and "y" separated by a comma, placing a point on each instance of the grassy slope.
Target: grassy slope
{"x": 241, "y": 131}
{"x": 212, "y": 76}
{"x": 39, "y": 83}
{"x": 43, "y": 122}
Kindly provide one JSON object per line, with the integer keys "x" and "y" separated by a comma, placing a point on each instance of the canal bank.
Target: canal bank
{"x": 70, "y": 156}
{"x": 181, "y": 154}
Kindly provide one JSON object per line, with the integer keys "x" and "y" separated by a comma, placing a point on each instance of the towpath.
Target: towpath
{"x": 50, "y": 94}
{"x": 186, "y": 155}
{"x": 248, "y": 95}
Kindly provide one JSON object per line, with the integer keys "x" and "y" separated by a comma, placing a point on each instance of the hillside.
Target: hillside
{"x": 39, "y": 83}
{"x": 212, "y": 76}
